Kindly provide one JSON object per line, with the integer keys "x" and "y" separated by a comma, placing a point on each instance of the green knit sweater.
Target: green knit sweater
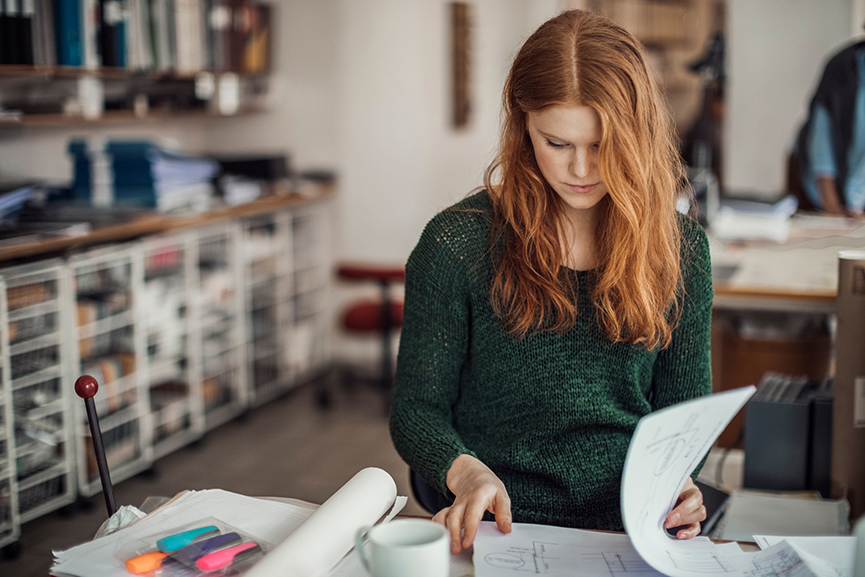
{"x": 551, "y": 414}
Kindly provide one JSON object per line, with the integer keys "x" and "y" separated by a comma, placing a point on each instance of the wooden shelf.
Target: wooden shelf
{"x": 157, "y": 223}
{"x": 115, "y": 117}
{"x": 20, "y": 71}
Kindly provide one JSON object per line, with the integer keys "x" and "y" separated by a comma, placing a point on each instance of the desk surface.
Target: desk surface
{"x": 799, "y": 275}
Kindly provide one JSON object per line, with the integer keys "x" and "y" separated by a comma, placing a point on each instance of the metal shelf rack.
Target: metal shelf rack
{"x": 267, "y": 265}
{"x": 37, "y": 332}
{"x": 106, "y": 342}
{"x": 309, "y": 348}
{"x": 10, "y": 522}
{"x": 172, "y": 371}
{"x": 218, "y": 296}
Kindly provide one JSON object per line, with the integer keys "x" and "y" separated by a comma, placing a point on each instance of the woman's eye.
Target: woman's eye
{"x": 554, "y": 145}
{"x": 596, "y": 146}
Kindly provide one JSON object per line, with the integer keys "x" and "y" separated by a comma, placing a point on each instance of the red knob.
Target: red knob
{"x": 86, "y": 386}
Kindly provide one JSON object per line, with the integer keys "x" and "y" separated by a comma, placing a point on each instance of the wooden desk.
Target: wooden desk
{"x": 800, "y": 275}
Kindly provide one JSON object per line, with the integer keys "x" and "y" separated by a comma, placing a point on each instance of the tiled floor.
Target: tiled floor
{"x": 289, "y": 448}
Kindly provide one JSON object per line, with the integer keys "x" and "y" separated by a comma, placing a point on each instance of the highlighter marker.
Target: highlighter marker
{"x": 194, "y": 551}
{"x": 145, "y": 563}
{"x": 226, "y": 557}
{"x": 180, "y": 540}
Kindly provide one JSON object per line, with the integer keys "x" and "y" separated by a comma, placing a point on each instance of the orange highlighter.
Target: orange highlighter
{"x": 145, "y": 563}
{"x": 226, "y": 557}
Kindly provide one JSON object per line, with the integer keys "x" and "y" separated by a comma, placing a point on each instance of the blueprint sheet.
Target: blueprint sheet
{"x": 666, "y": 447}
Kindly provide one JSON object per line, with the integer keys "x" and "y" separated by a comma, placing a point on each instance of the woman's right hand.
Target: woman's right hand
{"x": 477, "y": 489}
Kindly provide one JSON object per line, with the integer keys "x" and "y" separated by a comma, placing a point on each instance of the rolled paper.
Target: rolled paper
{"x": 319, "y": 543}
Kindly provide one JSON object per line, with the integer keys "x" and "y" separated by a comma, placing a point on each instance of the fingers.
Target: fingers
{"x": 474, "y": 514}
{"x": 502, "y": 511}
{"x": 454, "y": 524}
{"x": 689, "y": 510}
{"x": 689, "y": 532}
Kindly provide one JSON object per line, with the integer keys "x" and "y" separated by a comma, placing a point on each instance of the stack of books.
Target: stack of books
{"x": 183, "y": 36}
{"x": 12, "y": 199}
{"x": 140, "y": 173}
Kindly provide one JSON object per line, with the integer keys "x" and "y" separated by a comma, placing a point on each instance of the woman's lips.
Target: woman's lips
{"x": 583, "y": 189}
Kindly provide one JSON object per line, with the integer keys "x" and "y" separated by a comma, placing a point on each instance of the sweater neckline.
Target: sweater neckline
{"x": 578, "y": 272}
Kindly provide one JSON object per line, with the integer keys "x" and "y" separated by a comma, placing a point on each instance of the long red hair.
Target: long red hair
{"x": 578, "y": 58}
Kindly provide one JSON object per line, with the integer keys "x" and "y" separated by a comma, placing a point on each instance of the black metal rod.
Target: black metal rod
{"x": 101, "y": 461}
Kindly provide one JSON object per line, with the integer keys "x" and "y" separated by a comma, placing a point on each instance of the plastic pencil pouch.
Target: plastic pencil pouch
{"x": 206, "y": 547}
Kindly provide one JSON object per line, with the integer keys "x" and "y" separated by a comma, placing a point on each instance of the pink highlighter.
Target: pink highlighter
{"x": 226, "y": 557}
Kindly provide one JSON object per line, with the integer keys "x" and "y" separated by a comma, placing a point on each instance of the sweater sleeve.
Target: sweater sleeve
{"x": 684, "y": 370}
{"x": 433, "y": 347}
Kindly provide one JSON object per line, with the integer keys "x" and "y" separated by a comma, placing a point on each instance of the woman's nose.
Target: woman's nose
{"x": 581, "y": 164}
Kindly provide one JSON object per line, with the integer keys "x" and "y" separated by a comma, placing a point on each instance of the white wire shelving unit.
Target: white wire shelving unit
{"x": 309, "y": 352}
{"x": 37, "y": 332}
{"x": 183, "y": 331}
{"x": 106, "y": 342}
{"x": 267, "y": 265}
{"x": 10, "y": 521}
{"x": 170, "y": 366}
{"x": 218, "y": 294}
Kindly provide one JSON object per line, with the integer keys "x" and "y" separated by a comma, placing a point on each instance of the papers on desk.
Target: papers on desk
{"x": 750, "y": 220}
{"x": 840, "y": 551}
{"x": 749, "y": 514}
{"x": 295, "y": 528}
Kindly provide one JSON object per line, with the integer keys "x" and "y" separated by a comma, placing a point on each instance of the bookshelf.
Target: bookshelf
{"x": 131, "y": 60}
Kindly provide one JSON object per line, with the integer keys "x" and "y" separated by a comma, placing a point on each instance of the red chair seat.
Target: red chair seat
{"x": 365, "y": 316}
{"x": 372, "y": 272}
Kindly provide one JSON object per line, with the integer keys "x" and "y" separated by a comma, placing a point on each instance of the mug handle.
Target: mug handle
{"x": 358, "y": 545}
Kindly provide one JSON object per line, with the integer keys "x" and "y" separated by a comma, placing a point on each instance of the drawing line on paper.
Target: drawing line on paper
{"x": 523, "y": 560}
{"x": 622, "y": 563}
{"x": 702, "y": 563}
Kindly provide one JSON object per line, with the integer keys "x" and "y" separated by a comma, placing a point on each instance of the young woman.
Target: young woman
{"x": 546, "y": 314}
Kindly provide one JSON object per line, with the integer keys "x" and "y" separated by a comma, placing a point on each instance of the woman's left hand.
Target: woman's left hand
{"x": 689, "y": 510}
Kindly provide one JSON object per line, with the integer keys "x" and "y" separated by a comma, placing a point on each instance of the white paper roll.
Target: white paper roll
{"x": 318, "y": 544}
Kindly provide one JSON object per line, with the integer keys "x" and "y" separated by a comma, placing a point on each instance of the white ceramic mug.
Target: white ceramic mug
{"x": 415, "y": 547}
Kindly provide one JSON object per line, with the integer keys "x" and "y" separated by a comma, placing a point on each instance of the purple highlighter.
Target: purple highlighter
{"x": 191, "y": 553}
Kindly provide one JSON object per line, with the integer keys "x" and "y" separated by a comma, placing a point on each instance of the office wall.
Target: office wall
{"x": 365, "y": 90}
{"x": 776, "y": 53}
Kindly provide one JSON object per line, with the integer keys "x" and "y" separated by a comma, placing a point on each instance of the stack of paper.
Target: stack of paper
{"x": 744, "y": 220}
{"x": 750, "y": 514}
{"x": 308, "y": 539}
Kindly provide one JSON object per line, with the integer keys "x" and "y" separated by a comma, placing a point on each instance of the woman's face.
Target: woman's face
{"x": 566, "y": 141}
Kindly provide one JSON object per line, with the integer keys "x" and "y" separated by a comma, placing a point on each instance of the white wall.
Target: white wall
{"x": 776, "y": 53}
{"x": 401, "y": 161}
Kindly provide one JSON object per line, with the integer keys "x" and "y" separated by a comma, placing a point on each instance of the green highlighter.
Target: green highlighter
{"x": 180, "y": 540}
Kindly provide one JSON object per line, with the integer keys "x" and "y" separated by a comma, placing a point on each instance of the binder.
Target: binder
{"x": 5, "y": 34}
{"x": 9, "y": 32}
{"x": 44, "y": 37}
{"x": 25, "y": 32}
{"x": 68, "y": 27}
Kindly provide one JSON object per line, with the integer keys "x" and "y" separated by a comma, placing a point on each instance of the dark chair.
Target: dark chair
{"x": 381, "y": 315}
{"x": 426, "y": 496}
